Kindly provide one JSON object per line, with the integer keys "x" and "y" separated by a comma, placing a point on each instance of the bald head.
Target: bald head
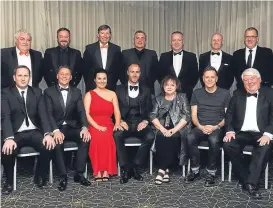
{"x": 216, "y": 42}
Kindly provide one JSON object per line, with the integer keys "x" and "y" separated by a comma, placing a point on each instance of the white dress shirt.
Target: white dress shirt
{"x": 25, "y": 60}
{"x": 133, "y": 93}
{"x": 215, "y": 60}
{"x": 104, "y": 52}
{"x": 24, "y": 127}
{"x": 64, "y": 95}
{"x": 177, "y": 63}
{"x": 254, "y": 50}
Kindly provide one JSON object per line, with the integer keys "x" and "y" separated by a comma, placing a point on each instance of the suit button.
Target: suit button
{"x": 50, "y": 69}
{"x": 76, "y": 72}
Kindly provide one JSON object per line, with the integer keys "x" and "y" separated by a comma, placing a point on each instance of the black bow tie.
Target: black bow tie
{"x": 249, "y": 95}
{"x": 217, "y": 53}
{"x": 179, "y": 53}
{"x": 64, "y": 89}
{"x": 133, "y": 87}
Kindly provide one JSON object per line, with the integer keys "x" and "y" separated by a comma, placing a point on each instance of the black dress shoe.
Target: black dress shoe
{"x": 252, "y": 191}
{"x": 82, "y": 180}
{"x": 192, "y": 176}
{"x": 137, "y": 175}
{"x": 40, "y": 181}
{"x": 210, "y": 180}
{"x": 124, "y": 176}
{"x": 6, "y": 189}
{"x": 63, "y": 183}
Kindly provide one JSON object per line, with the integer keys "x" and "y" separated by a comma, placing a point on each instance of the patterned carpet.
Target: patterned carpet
{"x": 134, "y": 194}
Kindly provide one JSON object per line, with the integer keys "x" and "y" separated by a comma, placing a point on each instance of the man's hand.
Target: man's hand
{"x": 264, "y": 140}
{"x": 85, "y": 135}
{"x": 124, "y": 125}
{"x": 9, "y": 146}
{"x": 142, "y": 125}
{"x": 58, "y": 137}
{"x": 48, "y": 142}
{"x": 229, "y": 136}
{"x": 118, "y": 127}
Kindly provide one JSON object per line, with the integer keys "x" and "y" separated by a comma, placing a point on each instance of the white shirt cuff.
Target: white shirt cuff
{"x": 269, "y": 135}
{"x": 11, "y": 137}
{"x": 56, "y": 130}
{"x": 230, "y": 132}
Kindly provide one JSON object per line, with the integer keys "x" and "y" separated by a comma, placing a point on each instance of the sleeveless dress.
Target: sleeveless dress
{"x": 102, "y": 150}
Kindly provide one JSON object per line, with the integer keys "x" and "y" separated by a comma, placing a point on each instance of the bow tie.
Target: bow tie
{"x": 217, "y": 53}
{"x": 179, "y": 53}
{"x": 133, "y": 87}
{"x": 249, "y": 95}
{"x": 24, "y": 53}
{"x": 64, "y": 89}
{"x": 104, "y": 46}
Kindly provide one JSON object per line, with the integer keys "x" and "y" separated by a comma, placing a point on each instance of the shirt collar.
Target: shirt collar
{"x": 137, "y": 84}
{"x": 216, "y": 52}
{"x": 63, "y": 87}
{"x": 102, "y": 44}
{"x": 20, "y": 90}
{"x": 253, "y": 49}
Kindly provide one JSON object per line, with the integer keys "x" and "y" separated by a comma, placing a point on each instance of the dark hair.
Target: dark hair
{"x": 210, "y": 68}
{"x": 99, "y": 70}
{"x": 104, "y": 27}
{"x": 64, "y": 66}
{"x": 172, "y": 78}
{"x": 141, "y": 31}
{"x": 252, "y": 28}
{"x": 19, "y": 67}
{"x": 177, "y": 32}
{"x": 63, "y": 29}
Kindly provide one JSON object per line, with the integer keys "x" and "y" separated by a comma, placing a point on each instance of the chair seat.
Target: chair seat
{"x": 248, "y": 148}
{"x": 27, "y": 151}
{"x": 204, "y": 144}
{"x": 70, "y": 145}
{"x": 132, "y": 140}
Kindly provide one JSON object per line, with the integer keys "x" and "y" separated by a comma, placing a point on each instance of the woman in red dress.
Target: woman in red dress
{"x": 100, "y": 104}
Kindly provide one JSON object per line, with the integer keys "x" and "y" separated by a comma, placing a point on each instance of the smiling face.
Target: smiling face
{"x": 63, "y": 38}
{"x": 133, "y": 74}
{"x": 140, "y": 41}
{"x": 21, "y": 78}
{"x": 101, "y": 80}
{"x": 216, "y": 42}
{"x": 251, "y": 39}
{"x": 177, "y": 42}
{"x": 251, "y": 82}
{"x": 23, "y": 42}
{"x": 104, "y": 36}
{"x": 64, "y": 76}
{"x": 210, "y": 78}
{"x": 170, "y": 87}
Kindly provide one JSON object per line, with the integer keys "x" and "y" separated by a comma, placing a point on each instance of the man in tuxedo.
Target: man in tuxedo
{"x": 68, "y": 120}
{"x": 253, "y": 56}
{"x": 208, "y": 105}
{"x": 219, "y": 60}
{"x": 135, "y": 104}
{"x": 180, "y": 63}
{"x": 102, "y": 54}
{"x": 147, "y": 60}
{"x": 62, "y": 55}
{"x": 249, "y": 121}
{"x": 24, "y": 123}
{"x": 21, "y": 54}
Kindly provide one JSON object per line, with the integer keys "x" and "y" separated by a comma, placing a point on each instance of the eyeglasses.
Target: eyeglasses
{"x": 250, "y": 37}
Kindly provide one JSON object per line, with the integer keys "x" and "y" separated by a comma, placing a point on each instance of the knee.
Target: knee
{"x": 214, "y": 141}
{"x": 118, "y": 136}
{"x": 191, "y": 139}
{"x": 150, "y": 137}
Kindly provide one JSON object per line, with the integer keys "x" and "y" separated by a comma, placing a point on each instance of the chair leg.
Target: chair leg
{"x": 50, "y": 172}
{"x": 118, "y": 170}
{"x": 223, "y": 165}
{"x": 85, "y": 173}
{"x": 229, "y": 170}
{"x": 151, "y": 163}
{"x": 35, "y": 164}
{"x": 266, "y": 177}
{"x": 189, "y": 166}
{"x": 14, "y": 174}
{"x": 183, "y": 171}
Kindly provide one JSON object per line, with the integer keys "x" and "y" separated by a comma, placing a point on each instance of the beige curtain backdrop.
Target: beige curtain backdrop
{"x": 197, "y": 20}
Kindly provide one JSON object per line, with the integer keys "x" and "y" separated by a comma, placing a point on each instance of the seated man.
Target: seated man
{"x": 68, "y": 119}
{"x": 249, "y": 121}
{"x": 208, "y": 107}
{"x": 24, "y": 123}
{"x": 135, "y": 104}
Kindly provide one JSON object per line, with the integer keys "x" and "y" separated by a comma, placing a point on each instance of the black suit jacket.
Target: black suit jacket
{"x": 92, "y": 60}
{"x": 148, "y": 64}
{"x": 73, "y": 113}
{"x": 188, "y": 75}
{"x": 51, "y": 63}
{"x": 263, "y": 62}
{"x": 9, "y": 62}
{"x": 145, "y": 101}
{"x": 13, "y": 111}
{"x": 225, "y": 75}
{"x": 236, "y": 111}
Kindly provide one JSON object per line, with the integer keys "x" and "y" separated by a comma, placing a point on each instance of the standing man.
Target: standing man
{"x": 68, "y": 119}
{"x": 24, "y": 123}
{"x": 219, "y": 60}
{"x": 62, "y": 55}
{"x": 208, "y": 106}
{"x": 180, "y": 63}
{"x": 135, "y": 105}
{"x": 253, "y": 56}
{"x": 147, "y": 60}
{"x": 21, "y": 54}
{"x": 102, "y": 54}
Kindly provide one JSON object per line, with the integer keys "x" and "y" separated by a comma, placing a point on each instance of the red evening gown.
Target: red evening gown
{"x": 102, "y": 150}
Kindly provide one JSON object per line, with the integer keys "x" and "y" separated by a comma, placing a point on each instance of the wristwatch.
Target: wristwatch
{"x": 218, "y": 126}
{"x": 49, "y": 134}
{"x": 146, "y": 122}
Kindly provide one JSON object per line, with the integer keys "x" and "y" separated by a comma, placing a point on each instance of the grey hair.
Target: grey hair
{"x": 253, "y": 71}
{"x": 22, "y": 31}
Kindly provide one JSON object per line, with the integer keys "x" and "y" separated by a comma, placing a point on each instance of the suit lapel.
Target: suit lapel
{"x": 15, "y": 91}
{"x": 56, "y": 57}
{"x": 30, "y": 99}
{"x": 184, "y": 65}
{"x": 72, "y": 58}
{"x": 242, "y": 107}
{"x": 98, "y": 55}
{"x": 60, "y": 97}
{"x": 32, "y": 59}
{"x": 256, "y": 57}
{"x": 126, "y": 94}
{"x": 260, "y": 102}
{"x": 68, "y": 98}
{"x": 110, "y": 57}
{"x": 170, "y": 60}
{"x": 15, "y": 59}
{"x": 224, "y": 58}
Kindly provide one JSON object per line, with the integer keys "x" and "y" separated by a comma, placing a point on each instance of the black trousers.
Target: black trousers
{"x": 214, "y": 139}
{"x": 147, "y": 137}
{"x": 260, "y": 156}
{"x": 71, "y": 134}
{"x": 32, "y": 138}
